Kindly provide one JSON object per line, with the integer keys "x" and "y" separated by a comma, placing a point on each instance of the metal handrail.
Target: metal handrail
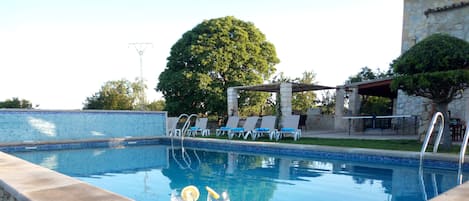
{"x": 185, "y": 156}
{"x": 429, "y": 134}
{"x": 462, "y": 152}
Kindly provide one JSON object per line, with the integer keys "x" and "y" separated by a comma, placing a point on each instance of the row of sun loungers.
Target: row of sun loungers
{"x": 289, "y": 126}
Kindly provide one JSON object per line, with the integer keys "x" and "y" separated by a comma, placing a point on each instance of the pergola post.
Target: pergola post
{"x": 285, "y": 98}
{"x": 232, "y": 99}
{"x": 339, "y": 109}
{"x": 354, "y": 101}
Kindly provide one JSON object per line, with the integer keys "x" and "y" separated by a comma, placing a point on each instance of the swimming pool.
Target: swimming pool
{"x": 152, "y": 172}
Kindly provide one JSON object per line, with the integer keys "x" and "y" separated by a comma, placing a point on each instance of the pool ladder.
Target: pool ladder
{"x": 462, "y": 151}
{"x": 182, "y": 132}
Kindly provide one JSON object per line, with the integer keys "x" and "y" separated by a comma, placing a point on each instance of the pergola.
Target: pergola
{"x": 378, "y": 87}
{"x": 284, "y": 89}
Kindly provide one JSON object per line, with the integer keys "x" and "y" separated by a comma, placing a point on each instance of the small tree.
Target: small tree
{"x": 302, "y": 101}
{"x": 436, "y": 68}
{"x": 115, "y": 95}
{"x": 16, "y": 103}
{"x": 157, "y": 105}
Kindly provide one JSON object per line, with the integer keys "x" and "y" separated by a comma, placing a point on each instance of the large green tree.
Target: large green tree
{"x": 214, "y": 55}
{"x": 436, "y": 68}
{"x": 116, "y": 95}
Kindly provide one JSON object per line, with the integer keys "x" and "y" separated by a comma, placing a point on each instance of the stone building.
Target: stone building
{"x": 422, "y": 18}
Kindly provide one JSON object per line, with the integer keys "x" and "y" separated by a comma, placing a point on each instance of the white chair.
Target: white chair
{"x": 200, "y": 127}
{"x": 267, "y": 127}
{"x": 248, "y": 126}
{"x": 171, "y": 124}
{"x": 289, "y": 126}
{"x": 232, "y": 123}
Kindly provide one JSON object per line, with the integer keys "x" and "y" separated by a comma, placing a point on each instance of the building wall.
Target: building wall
{"x": 423, "y": 18}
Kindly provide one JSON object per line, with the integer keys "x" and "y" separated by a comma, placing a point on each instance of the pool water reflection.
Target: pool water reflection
{"x": 147, "y": 173}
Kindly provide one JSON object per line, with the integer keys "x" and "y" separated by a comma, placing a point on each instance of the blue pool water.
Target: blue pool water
{"x": 152, "y": 172}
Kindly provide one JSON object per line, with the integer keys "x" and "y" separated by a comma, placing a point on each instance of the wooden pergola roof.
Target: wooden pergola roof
{"x": 275, "y": 87}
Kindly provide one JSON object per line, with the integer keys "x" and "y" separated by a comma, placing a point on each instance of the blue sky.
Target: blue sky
{"x": 56, "y": 53}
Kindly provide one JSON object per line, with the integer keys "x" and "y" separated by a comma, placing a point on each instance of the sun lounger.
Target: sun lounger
{"x": 289, "y": 127}
{"x": 248, "y": 126}
{"x": 200, "y": 127}
{"x": 267, "y": 127}
{"x": 172, "y": 129}
{"x": 232, "y": 123}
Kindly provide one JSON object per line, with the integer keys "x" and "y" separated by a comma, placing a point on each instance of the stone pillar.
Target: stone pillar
{"x": 339, "y": 109}
{"x": 354, "y": 102}
{"x": 285, "y": 99}
{"x": 232, "y": 99}
{"x": 354, "y": 109}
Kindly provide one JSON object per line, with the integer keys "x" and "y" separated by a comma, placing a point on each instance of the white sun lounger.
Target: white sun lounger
{"x": 289, "y": 127}
{"x": 267, "y": 127}
{"x": 232, "y": 123}
{"x": 248, "y": 126}
{"x": 171, "y": 125}
{"x": 200, "y": 127}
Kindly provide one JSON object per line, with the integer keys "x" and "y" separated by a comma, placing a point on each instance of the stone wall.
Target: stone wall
{"x": 424, "y": 110}
{"x": 319, "y": 122}
{"x": 417, "y": 106}
{"x": 425, "y": 17}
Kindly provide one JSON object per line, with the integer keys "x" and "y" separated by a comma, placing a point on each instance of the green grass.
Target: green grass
{"x": 401, "y": 145}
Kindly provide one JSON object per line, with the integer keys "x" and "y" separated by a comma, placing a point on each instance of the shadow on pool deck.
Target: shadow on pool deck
{"x": 358, "y": 135}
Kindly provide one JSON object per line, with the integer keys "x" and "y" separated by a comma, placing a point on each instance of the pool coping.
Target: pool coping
{"x": 25, "y": 181}
{"x": 128, "y": 141}
{"x": 29, "y": 182}
{"x": 334, "y": 149}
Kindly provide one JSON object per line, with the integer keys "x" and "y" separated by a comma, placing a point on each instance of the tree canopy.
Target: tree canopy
{"x": 436, "y": 68}
{"x": 368, "y": 74}
{"x": 16, "y": 103}
{"x": 216, "y": 54}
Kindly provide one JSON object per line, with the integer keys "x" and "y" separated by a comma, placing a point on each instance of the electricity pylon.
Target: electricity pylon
{"x": 141, "y": 47}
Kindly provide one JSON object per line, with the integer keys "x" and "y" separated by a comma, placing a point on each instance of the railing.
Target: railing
{"x": 462, "y": 152}
{"x": 431, "y": 127}
{"x": 429, "y": 134}
{"x": 396, "y": 122}
{"x": 185, "y": 156}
